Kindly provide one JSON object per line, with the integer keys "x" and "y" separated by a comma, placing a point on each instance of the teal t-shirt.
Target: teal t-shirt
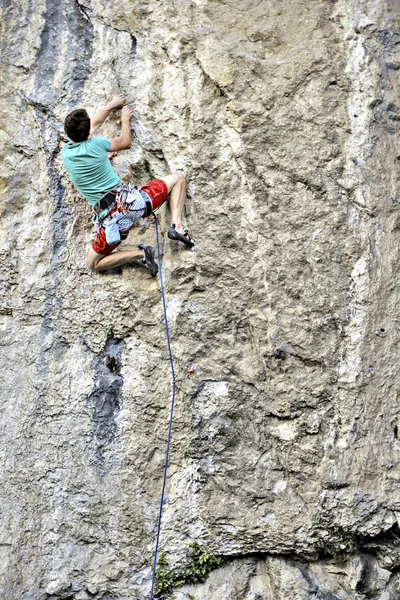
{"x": 89, "y": 167}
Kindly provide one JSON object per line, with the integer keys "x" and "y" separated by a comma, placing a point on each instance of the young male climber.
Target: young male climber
{"x": 117, "y": 205}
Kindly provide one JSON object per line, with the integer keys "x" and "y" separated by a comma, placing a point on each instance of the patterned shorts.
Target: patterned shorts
{"x": 157, "y": 190}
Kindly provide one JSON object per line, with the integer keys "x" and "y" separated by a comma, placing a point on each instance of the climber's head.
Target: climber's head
{"x": 77, "y": 125}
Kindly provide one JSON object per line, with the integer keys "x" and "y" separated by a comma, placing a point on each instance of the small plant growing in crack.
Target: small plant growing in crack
{"x": 197, "y": 571}
{"x": 347, "y": 543}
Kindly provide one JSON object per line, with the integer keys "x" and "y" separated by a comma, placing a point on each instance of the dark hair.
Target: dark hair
{"x": 77, "y": 125}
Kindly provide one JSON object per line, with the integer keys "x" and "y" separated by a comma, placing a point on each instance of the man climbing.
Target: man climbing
{"x": 117, "y": 205}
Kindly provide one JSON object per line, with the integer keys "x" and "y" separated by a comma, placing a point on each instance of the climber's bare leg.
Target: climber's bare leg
{"x": 99, "y": 262}
{"x": 176, "y": 183}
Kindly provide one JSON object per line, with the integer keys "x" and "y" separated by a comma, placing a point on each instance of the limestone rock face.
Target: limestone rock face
{"x": 284, "y": 116}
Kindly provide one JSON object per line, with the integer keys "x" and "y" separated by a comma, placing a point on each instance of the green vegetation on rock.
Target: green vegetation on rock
{"x": 197, "y": 571}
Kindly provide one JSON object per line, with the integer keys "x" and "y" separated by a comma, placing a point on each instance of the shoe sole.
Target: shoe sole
{"x": 173, "y": 235}
{"x": 149, "y": 258}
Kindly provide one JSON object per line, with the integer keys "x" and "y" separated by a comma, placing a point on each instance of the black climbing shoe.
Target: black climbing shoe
{"x": 149, "y": 259}
{"x": 185, "y": 238}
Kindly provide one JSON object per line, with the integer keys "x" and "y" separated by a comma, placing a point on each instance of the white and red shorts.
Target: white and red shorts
{"x": 157, "y": 190}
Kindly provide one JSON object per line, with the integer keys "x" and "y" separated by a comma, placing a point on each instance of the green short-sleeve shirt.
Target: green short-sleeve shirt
{"x": 89, "y": 167}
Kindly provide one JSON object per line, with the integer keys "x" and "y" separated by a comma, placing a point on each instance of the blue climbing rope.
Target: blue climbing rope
{"x": 171, "y": 360}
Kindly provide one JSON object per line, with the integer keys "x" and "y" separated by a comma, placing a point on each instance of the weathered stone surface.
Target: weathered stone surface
{"x": 275, "y": 579}
{"x": 284, "y": 116}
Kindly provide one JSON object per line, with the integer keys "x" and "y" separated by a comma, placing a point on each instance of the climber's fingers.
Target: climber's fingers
{"x": 119, "y": 101}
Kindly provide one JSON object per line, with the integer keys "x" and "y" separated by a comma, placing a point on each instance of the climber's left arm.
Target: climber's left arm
{"x": 102, "y": 114}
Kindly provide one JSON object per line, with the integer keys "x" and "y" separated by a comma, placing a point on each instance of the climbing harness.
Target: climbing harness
{"x": 123, "y": 197}
{"x": 119, "y": 209}
{"x": 171, "y": 360}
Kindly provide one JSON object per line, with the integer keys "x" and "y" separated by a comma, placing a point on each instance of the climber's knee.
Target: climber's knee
{"x": 180, "y": 177}
{"x": 93, "y": 259}
{"x": 173, "y": 179}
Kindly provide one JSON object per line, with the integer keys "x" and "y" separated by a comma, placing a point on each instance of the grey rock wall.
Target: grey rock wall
{"x": 284, "y": 116}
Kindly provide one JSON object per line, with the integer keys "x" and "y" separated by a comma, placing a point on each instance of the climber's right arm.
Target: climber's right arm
{"x": 124, "y": 141}
{"x": 99, "y": 118}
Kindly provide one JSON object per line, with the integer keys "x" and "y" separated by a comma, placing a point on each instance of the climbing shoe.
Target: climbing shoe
{"x": 149, "y": 259}
{"x": 184, "y": 237}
